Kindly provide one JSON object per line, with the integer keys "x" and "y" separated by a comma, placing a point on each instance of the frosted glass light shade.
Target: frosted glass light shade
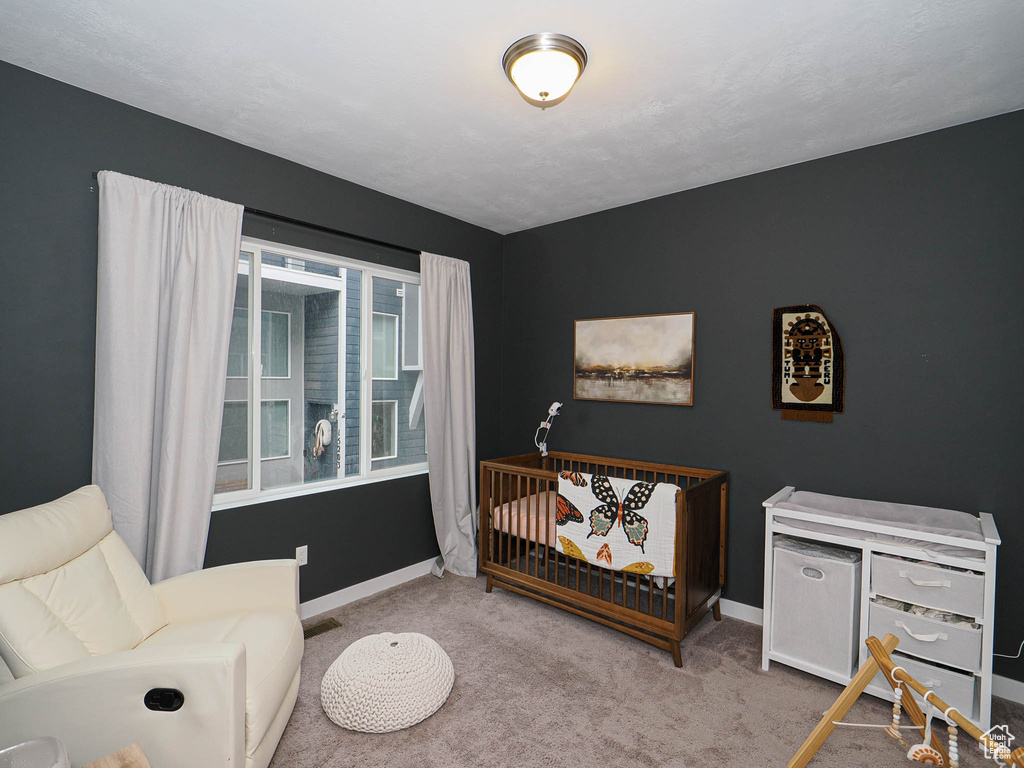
{"x": 544, "y": 67}
{"x": 544, "y": 75}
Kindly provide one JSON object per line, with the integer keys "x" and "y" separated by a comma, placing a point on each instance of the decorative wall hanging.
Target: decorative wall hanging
{"x": 808, "y": 369}
{"x": 640, "y": 359}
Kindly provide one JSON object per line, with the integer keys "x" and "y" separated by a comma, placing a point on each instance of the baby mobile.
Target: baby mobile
{"x": 930, "y": 750}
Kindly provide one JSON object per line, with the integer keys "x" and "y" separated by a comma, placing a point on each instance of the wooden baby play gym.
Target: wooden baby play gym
{"x": 931, "y": 750}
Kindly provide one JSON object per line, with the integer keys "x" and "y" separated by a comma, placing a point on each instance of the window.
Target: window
{"x": 338, "y": 402}
{"x": 275, "y": 351}
{"x": 275, "y": 345}
{"x": 234, "y": 433}
{"x": 275, "y": 423}
{"x": 238, "y": 347}
{"x": 384, "y": 439}
{"x": 385, "y": 346}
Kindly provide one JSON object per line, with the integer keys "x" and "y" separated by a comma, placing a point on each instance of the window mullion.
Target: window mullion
{"x": 342, "y": 421}
{"x": 366, "y": 366}
{"x": 256, "y": 367}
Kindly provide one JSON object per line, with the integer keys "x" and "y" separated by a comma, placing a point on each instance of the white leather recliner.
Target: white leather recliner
{"x": 201, "y": 669}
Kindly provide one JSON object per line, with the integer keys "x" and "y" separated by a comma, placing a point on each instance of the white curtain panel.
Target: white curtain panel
{"x": 449, "y": 409}
{"x": 168, "y": 260}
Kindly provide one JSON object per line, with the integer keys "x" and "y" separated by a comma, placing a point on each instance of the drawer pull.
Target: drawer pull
{"x": 920, "y": 583}
{"x": 922, "y": 638}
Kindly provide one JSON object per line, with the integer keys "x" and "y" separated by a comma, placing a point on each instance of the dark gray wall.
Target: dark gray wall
{"x": 53, "y": 138}
{"x": 916, "y": 251}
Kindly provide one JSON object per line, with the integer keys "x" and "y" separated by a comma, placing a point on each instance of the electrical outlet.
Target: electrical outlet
{"x": 302, "y": 554}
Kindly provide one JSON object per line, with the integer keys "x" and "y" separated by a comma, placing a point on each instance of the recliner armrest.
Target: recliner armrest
{"x": 96, "y": 705}
{"x": 264, "y": 584}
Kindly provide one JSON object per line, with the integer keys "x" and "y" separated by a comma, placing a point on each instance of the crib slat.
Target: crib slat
{"x": 547, "y": 524}
{"x": 513, "y": 524}
{"x": 530, "y": 500}
{"x": 527, "y": 541}
{"x": 542, "y": 500}
{"x": 506, "y": 493}
{"x": 501, "y": 514}
{"x": 508, "y": 545}
{"x": 519, "y": 531}
{"x": 495, "y": 522}
{"x": 491, "y": 536}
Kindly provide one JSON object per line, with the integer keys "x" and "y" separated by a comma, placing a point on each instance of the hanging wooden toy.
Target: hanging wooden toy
{"x": 924, "y": 752}
{"x": 894, "y": 729}
{"x": 954, "y": 752}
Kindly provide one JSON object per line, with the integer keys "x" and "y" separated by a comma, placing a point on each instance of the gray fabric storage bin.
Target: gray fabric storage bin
{"x": 930, "y": 639}
{"x": 930, "y": 585}
{"x": 815, "y": 604}
{"x": 955, "y": 688}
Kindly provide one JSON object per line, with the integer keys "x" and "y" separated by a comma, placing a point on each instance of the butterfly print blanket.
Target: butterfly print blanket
{"x": 624, "y": 525}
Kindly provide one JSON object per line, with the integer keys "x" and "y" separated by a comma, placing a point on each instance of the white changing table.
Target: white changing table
{"x": 956, "y": 662}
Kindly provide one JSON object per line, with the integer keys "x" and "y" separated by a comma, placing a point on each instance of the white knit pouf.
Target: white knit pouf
{"x": 387, "y": 682}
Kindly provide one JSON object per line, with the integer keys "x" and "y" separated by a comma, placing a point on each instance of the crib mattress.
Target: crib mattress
{"x": 526, "y": 517}
{"x": 905, "y": 517}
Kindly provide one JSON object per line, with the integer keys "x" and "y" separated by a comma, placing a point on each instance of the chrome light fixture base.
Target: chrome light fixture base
{"x": 544, "y": 41}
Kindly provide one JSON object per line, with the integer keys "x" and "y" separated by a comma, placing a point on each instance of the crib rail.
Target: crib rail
{"x": 518, "y": 552}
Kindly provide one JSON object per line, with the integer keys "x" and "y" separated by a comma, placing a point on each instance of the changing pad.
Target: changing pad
{"x": 946, "y": 522}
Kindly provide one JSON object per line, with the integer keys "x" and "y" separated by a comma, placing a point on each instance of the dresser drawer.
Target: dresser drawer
{"x": 954, "y": 688}
{"x": 960, "y": 592}
{"x": 928, "y": 638}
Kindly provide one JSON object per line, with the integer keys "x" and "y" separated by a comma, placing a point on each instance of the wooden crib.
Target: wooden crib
{"x": 518, "y": 553}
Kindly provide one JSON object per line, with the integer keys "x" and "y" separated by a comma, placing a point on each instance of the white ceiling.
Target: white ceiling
{"x": 409, "y": 97}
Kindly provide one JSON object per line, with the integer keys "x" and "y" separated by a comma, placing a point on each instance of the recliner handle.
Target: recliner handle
{"x": 164, "y": 699}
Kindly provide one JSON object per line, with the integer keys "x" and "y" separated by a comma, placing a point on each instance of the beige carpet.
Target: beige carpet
{"x": 535, "y": 686}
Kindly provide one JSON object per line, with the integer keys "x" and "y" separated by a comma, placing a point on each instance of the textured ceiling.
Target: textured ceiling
{"x": 409, "y": 98}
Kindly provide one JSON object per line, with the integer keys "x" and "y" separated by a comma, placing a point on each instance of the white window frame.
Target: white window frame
{"x": 394, "y": 429}
{"x": 288, "y": 403}
{"x": 256, "y": 271}
{"x": 398, "y": 350}
{"x": 288, "y": 336}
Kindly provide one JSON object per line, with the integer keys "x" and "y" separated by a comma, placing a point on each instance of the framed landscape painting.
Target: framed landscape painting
{"x": 642, "y": 359}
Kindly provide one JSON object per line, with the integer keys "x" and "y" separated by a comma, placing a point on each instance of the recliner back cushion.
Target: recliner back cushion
{"x": 69, "y": 586}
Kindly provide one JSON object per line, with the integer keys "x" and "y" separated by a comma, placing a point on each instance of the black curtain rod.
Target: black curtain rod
{"x": 331, "y": 231}
{"x": 322, "y": 228}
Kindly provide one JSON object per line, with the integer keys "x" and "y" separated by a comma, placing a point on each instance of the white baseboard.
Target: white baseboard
{"x": 363, "y": 589}
{"x": 742, "y": 611}
{"x": 1008, "y": 688}
{"x": 1003, "y": 687}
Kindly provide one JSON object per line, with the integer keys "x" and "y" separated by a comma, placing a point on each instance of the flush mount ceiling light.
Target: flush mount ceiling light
{"x": 544, "y": 67}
